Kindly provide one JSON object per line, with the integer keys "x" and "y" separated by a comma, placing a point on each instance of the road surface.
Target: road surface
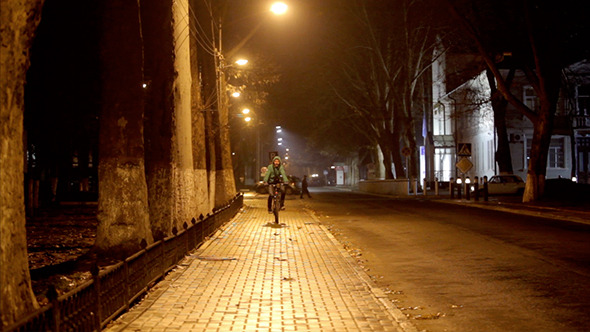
{"x": 458, "y": 268}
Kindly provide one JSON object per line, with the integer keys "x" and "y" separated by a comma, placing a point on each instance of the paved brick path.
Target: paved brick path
{"x": 257, "y": 276}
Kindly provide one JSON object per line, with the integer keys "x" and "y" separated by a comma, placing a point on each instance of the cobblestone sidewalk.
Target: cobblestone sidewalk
{"x": 255, "y": 275}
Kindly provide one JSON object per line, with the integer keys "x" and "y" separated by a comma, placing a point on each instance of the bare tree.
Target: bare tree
{"x": 368, "y": 102}
{"x": 533, "y": 32}
{"x": 392, "y": 50}
{"x": 416, "y": 34}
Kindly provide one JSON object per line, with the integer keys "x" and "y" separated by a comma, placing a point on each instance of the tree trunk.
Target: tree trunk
{"x": 186, "y": 201}
{"x": 387, "y": 162}
{"x": 159, "y": 109}
{"x": 385, "y": 143}
{"x": 548, "y": 92}
{"x": 397, "y": 157}
{"x": 123, "y": 219}
{"x": 224, "y": 175}
{"x": 410, "y": 138}
{"x": 211, "y": 125}
{"x": 168, "y": 133}
{"x": 503, "y": 157}
{"x": 208, "y": 90}
{"x": 499, "y": 105}
{"x": 537, "y": 168}
{"x": 18, "y": 21}
{"x": 199, "y": 148}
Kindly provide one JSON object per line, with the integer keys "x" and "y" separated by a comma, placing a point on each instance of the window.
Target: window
{"x": 530, "y": 98}
{"x": 584, "y": 100}
{"x": 556, "y": 154}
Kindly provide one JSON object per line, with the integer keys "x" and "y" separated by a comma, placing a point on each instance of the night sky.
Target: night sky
{"x": 62, "y": 96}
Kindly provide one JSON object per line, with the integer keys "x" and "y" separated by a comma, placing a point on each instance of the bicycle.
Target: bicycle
{"x": 276, "y": 199}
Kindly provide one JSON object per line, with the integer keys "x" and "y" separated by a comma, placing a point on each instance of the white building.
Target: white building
{"x": 462, "y": 116}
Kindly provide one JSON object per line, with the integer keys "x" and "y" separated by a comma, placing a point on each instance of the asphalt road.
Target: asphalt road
{"x": 456, "y": 268}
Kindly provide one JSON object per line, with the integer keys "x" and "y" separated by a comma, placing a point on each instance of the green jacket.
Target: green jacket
{"x": 273, "y": 173}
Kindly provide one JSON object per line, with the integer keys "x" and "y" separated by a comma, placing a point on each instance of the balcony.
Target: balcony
{"x": 580, "y": 121}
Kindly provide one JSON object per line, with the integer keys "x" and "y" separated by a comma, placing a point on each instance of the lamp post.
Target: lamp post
{"x": 251, "y": 123}
{"x": 222, "y": 98}
{"x": 277, "y": 8}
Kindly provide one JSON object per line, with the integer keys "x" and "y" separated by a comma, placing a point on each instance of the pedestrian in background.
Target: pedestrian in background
{"x": 304, "y": 187}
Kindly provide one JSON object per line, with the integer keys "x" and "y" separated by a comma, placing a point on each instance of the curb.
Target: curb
{"x": 548, "y": 212}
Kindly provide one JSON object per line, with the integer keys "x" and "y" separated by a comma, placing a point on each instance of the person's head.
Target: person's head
{"x": 305, "y": 176}
{"x": 276, "y": 161}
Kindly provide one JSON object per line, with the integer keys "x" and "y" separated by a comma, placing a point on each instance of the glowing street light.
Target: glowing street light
{"x": 241, "y": 62}
{"x": 236, "y": 94}
{"x": 245, "y": 111}
{"x": 247, "y": 119}
{"x": 279, "y": 8}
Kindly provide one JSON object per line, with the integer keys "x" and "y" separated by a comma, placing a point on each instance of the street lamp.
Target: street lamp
{"x": 241, "y": 62}
{"x": 279, "y": 8}
{"x": 219, "y": 62}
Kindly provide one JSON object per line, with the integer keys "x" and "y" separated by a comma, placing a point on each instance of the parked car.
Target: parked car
{"x": 508, "y": 184}
{"x": 292, "y": 187}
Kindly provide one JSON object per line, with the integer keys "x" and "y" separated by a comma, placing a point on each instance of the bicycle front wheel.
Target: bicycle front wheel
{"x": 276, "y": 208}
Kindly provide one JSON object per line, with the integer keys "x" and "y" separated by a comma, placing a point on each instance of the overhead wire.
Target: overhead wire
{"x": 196, "y": 30}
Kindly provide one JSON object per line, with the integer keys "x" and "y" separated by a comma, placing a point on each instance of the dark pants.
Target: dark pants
{"x": 271, "y": 193}
{"x": 304, "y": 191}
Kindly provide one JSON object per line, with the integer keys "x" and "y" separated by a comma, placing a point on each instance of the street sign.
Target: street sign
{"x": 272, "y": 154}
{"x": 464, "y": 149}
{"x": 464, "y": 165}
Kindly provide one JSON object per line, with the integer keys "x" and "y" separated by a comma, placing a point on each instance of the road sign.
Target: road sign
{"x": 464, "y": 149}
{"x": 464, "y": 165}
{"x": 272, "y": 154}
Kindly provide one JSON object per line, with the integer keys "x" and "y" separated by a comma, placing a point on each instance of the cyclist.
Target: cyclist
{"x": 275, "y": 174}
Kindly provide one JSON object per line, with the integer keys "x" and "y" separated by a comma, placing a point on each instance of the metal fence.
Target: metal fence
{"x": 112, "y": 291}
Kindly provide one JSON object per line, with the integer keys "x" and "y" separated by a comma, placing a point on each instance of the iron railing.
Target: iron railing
{"x": 112, "y": 291}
